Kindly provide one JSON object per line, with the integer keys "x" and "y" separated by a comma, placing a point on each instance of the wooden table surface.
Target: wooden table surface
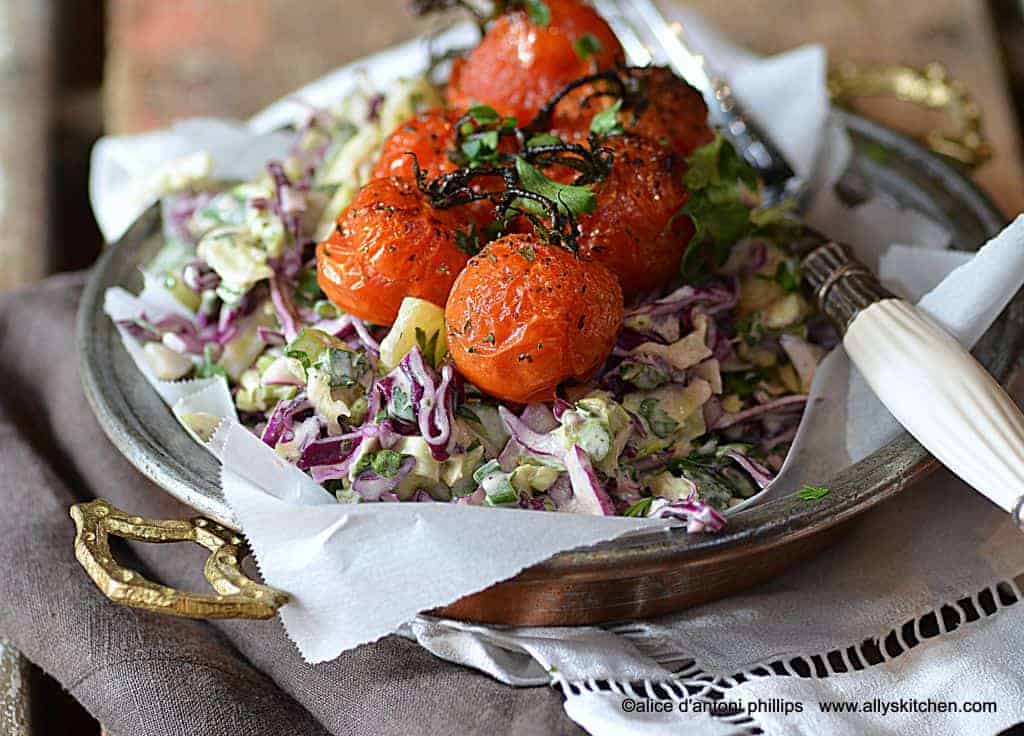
{"x": 957, "y": 33}
{"x": 162, "y": 66}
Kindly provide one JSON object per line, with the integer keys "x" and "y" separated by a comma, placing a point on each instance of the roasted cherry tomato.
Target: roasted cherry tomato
{"x": 670, "y": 110}
{"x": 430, "y": 136}
{"x": 637, "y": 230}
{"x": 389, "y": 244}
{"x": 524, "y": 316}
{"x": 663, "y": 107}
{"x": 520, "y": 64}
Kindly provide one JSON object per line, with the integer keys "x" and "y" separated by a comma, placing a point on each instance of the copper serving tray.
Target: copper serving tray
{"x": 643, "y": 576}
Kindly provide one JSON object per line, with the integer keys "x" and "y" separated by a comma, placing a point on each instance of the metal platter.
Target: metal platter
{"x": 643, "y": 576}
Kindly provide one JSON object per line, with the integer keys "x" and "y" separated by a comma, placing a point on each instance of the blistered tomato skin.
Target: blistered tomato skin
{"x": 675, "y": 112}
{"x": 389, "y": 244}
{"x": 524, "y": 316}
{"x": 666, "y": 110}
{"x": 520, "y": 65}
{"x": 637, "y": 231}
{"x": 430, "y": 136}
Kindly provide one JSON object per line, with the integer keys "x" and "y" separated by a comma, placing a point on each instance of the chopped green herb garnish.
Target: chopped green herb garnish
{"x": 428, "y": 346}
{"x": 660, "y": 423}
{"x": 307, "y": 290}
{"x": 528, "y": 253}
{"x": 717, "y": 178}
{"x": 574, "y": 199}
{"x": 641, "y": 375}
{"x": 812, "y": 493}
{"x": 301, "y": 356}
{"x": 787, "y": 276}
{"x": 209, "y": 368}
{"x": 309, "y": 344}
{"x": 587, "y": 46}
{"x": 386, "y": 463}
{"x": 539, "y": 12}
{"x": 466, "y": 413}
{"x": 483, "y": 115}
{"x": 606, "y": 122}
{"x": 640, "y": 508}
{"x": 480, "y": 148}
{"x": 741, "y": 384}
{"x": 750, "y": 330}
{"x": 343, "y": 367}
{"x": 469, "y": 241}
{"x": 400, "y": 404}
{"x": 543, "y": 139}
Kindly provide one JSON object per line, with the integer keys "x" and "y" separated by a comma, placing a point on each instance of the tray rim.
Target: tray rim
{"x": 855, "y": 489}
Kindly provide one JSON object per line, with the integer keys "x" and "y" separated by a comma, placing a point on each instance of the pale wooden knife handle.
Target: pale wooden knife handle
{"x": 933, "y": 386}
{"x": 943, "y": 396}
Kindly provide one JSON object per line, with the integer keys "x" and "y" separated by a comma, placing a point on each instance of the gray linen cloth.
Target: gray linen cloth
{"x": 146, "y": 674}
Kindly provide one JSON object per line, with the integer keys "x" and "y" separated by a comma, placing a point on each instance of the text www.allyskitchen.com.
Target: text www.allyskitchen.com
{"x": 876, "y": 706}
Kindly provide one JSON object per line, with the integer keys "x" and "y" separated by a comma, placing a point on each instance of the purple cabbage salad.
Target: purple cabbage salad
{"x": 693, "y": 412}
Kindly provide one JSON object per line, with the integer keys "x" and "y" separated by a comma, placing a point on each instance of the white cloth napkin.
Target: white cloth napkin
{"x": 935, "y": 544}
{"x": 373, "y": 556}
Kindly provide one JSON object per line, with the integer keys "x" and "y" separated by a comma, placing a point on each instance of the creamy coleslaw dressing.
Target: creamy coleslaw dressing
{"x": 942, "y": 396}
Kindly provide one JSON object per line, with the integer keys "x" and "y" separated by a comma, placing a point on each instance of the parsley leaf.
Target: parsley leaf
{"x": 587, "y": 46}
{"x": 640, "y": 508}
{"x": 680, "y": 466}
{"x": 716, "y": 178}
{"x": 386, "y": 463}
{"x": 644, "y": 377}
{"x": 660, "y": 423}
{"x": 574, "y": 199}
{"x": 741, "y": 384}
{"x": 812, "y": 493}
{"x": 606, "y": 122}
{"x": 539, "y": 12}
{"x": 299, "y": 355}
{"x": 209, "y": 368}
{"x": 543, "y": 139}
{"x": 466, "y": 413}
{"x": 428, "y": 347}
{"x": 716, "y": 165}
{"x": 483, "y": 115}
{"x": 401, "y": 407}
{"x": 480, "y": 148}
{"x": 307, "y": 290}
{"x": 787, "y": 276}
{"x": 469, "y": 241}
{"x": 343, "y": 367}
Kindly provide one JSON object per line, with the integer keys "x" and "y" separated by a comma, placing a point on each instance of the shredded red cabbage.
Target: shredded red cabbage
{"x": 370, "y": 486}
{"x": 279, "y": 426}
{"x": 588, "y": 494}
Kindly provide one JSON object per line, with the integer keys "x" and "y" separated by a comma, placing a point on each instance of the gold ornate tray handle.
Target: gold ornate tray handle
{"x": 931, "y": 88}
{"x": 236, "y": 596}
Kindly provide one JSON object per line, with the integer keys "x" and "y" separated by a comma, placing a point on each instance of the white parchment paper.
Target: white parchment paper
{"x": 356, "y": 573}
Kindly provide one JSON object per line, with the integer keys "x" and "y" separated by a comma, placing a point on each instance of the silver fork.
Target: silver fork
{"x": 644, "y": 31}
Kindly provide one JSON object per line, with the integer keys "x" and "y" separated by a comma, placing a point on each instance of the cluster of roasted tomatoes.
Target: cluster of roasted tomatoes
{"x": 525, "y": 314}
